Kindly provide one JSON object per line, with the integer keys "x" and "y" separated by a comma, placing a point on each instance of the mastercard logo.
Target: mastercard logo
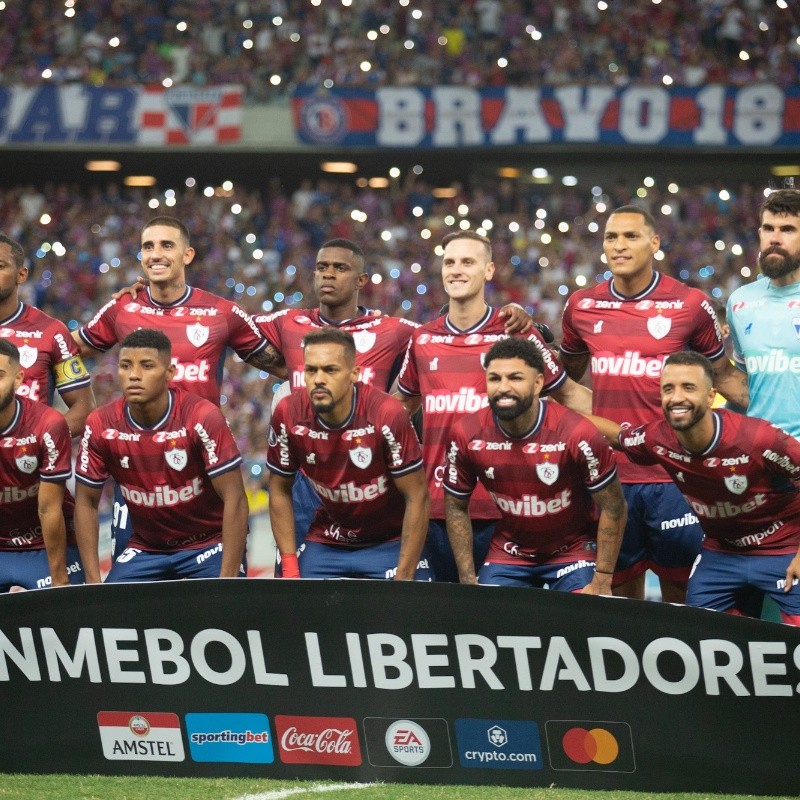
{"x": 585, "y": 746}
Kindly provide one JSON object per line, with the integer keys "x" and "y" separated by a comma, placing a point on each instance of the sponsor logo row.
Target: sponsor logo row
{"x": 388, "y": 742}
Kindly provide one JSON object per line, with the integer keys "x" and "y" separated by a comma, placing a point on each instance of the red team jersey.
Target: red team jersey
{"x": 538, "y": 481}
{"x": 47, "y": 353}
{"x": 628, "y": 339}
{"x": 351, "y": 467}
{"x": 380, "y": 341}
{"x": 740, "y": 486}
{"x": 445, "y": 366}
{"x": 200, "y": 325}
{"x": 164, "y": 472}
{"x": 35, "y": 446}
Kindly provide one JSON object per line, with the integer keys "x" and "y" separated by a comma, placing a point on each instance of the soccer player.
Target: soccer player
{"x": 443, "y": 371}
{"x": 177, "y": 466}
{"x": 764, "y": 316}
{"x": 544, "y": 467}
{"x": 739, "y": 475}
{"x": 358, "y": 449}
{"x": 200, "y": 325}
{"x": 48, "y": 356}
{"x": 35, "y": 464}
{"x": 625, "y": 327}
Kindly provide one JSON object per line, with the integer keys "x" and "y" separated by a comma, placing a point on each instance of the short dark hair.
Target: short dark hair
{"x": 691, "y": 358}
{"x": 169, "y": 222}
{"x": 331, "y": 335}
{"x": 516, "y": 347}
{"x": 344, "y": 244}
{"x": 17, "y": 253}
{"x": 474, "y": 235}
{"x": 781, "y": 201}
{"x": 8, "y": 348}
{"x": 149, "y": 338}
{"x": 632, "y": 209}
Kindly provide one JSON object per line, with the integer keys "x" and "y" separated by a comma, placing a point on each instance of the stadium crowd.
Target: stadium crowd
{"x": 272, "y": 46}
{"x": 258, "y": 248}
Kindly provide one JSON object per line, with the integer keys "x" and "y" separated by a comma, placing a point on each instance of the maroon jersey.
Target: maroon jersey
{"x": 538, "y": 481}
{"x": 35, "y": 446}
{"x": 47, "y": 353}
{"x": 740, "y": 486}
{"x": 164, "y": 472}
{"x": 201, "y": 326}
{"x": 351, "y": 467}
{"x": 628, "y": 339}
{"x": 380, "y": 341}
{"x": 445, "y": 366}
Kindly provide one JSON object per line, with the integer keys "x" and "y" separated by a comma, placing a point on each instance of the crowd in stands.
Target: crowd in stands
{"x": 259, "y": 249}
{"x": 272, "y": 46}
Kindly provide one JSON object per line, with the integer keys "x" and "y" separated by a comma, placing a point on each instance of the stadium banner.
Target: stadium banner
{"x": 396, "y": 682}
{"x": 152, "y": 115}
{"x": 758, "y": 115}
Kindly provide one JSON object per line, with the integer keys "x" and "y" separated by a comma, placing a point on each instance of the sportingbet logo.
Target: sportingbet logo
{"x": 163, "y": 496}
{"x": 775, "y": 362}
{"x": 236, "y": 738}
{"x": 631, "y": 364}
{"x": 465, "y": 401}
{"x": 318, "y": 740}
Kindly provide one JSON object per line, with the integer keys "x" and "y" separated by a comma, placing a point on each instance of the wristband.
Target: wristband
{"x": 602, "y": 572}
{"x": 289, "y": 566}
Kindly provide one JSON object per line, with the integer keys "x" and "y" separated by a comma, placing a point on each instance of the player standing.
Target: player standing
{"x": 544, "y": 466}
{"x": 358, "y": 449}
{"x": 177, "y": 466}
{"x": 623, "y": 329}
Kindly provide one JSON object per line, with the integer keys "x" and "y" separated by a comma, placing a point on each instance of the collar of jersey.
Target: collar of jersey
{"x": 180, "y": 301}
{"x": 15, "y": 316}
{"x": 15, "y": 420}
{"x": 656, "y": 279}
{"x": 350, "y": 416}
{"x": 159, "y": 424}
{"x": 535, "y": 428}
{"x": 362, "y": 312}
{"x": 714, "y": 437}
{"x": 477, "y": 326}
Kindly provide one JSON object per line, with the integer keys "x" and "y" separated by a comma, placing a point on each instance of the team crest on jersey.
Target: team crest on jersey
{"x": 27, "y": 356}
{"x": 659, "y": 326}
{"x": 176, "y": 458}
{"x": 197, "y": 333}
{"x": 736, "y": 483}
{"x": 364, "y": 340}
{"x": 547, "y": 472}
{"x": 27, "y": 463}
{"x": 361, "y": 457}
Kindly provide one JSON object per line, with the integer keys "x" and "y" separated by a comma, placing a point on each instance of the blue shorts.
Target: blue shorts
{"x": 305, "y": 502}
{"x": 135, "y": 565}
{"x": 378, "y": 561}
{"x": 30, "y": 569}
{"x": 121, "y": 525}
{"x": 570, "y": 576}
{"x": 662, "y": 533}
{"x": 733, "y": 581}
{"x": 442, "y": 562}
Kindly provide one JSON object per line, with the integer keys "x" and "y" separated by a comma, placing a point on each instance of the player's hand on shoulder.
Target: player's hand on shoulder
{"x": 133, "y": 289}
{"x": 517, "y": 319}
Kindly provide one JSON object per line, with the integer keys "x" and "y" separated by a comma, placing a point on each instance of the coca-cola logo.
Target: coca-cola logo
{"x": 318, "y": 740}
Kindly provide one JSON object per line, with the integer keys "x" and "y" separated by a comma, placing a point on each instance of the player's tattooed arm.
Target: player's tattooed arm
{"x": 270, "y": 360}
{"x": 613, "y": 515}
{"x": 575, "y": 364}
{"x": 459, "y": 532}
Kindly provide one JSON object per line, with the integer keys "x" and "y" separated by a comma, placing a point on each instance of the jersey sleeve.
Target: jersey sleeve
{"x": 245, "y": 336}
{"x": 408, "y": 379}
{"x": 215, "y": 442}
{"x": 459, "y": 476}
{"x": 706, "y": 336}
{"x": 571, "y": 341}
{"x": 780, "y": 451}
{"x": 596, "y": 459}
{"x": 635, "y": 444}
{"x": 280, "y": 458}
{"x": 271, "y": 326}
{"x": 100, "y": 332}
{"x": 401, "y": 446}
{"x": 90, "y": 465}
{"x": 554, "y": 374}
{"x": 55, "y": 461}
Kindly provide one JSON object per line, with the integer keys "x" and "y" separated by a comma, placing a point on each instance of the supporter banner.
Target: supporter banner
{"x": 398, "y": 682}
{"x": 78, "y": 114}
{"x": 760, "y": 115}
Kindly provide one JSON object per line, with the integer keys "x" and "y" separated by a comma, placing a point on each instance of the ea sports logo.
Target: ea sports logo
{"x": 408, "y": 743}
